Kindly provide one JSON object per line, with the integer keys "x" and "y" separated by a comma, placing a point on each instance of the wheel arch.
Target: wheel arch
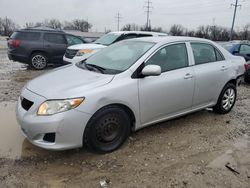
{"x": 39, "y": 51}
{"x": 127, "y": 109}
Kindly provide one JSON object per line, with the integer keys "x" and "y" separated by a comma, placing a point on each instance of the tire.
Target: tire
{"x": 38, "y": 61}
{"x": 107, "y": 130}
{"x": 226, "y": 99}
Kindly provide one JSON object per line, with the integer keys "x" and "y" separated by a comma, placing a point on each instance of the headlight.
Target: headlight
{"x": 51, "y": 107}
{"x": 82, "y": 52}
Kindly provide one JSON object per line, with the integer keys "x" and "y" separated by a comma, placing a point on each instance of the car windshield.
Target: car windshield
{"x": 118, "y": 57}
{"x": 107, "y": 39}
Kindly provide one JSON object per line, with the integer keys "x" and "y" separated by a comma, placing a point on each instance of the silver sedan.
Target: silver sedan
{"x": 125, "y": 87}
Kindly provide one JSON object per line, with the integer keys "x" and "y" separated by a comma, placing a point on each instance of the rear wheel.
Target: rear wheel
{"x": 107, "y": 130}
{"x": 226, "y": 100}
{"x": 38, "y": 61}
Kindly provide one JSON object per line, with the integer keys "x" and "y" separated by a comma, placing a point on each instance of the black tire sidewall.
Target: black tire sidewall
{"x": 90, "y": 139}
{"x": 219, "y": 108}
{"x": 41, "y": 54}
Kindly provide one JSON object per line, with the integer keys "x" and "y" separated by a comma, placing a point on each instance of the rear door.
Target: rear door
{"x": 211, "y": 72}
{"x": 55, "y": 45}
{"x": 171, "y": 92}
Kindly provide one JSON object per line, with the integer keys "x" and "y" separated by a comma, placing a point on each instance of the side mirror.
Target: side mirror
{"x": 151, "y": 70}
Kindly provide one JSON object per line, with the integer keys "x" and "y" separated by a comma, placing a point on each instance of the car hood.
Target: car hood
{"x": 86, "y": 46}
{"x": 67, "y": 82}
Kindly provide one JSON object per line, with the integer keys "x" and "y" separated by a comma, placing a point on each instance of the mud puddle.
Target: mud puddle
{"x": 236, "y": 159}
{"x": 13, "y": 144}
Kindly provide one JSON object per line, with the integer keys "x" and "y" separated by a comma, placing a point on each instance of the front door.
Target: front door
{"x": 170, "y": 93}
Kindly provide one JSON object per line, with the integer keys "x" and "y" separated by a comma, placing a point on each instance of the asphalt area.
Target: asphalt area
{"x": 199, "y": 150}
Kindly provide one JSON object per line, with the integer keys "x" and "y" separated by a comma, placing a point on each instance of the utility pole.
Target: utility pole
{"x": 236, "y": 6}
{"x": 148, "y": 7}
{"x": 118, "y": 17}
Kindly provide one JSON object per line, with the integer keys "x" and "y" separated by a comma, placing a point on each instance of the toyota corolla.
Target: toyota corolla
{"x": 125, "y": 87}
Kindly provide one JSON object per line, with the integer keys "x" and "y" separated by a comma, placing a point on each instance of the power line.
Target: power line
{"x": 118, "y": 18}
{"x": 148, "y": 7}
{"x": 236, "y": 6}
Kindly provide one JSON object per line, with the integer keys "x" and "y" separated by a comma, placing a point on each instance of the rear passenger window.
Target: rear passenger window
{"x": 219, "y": 57}
{"x": 205, "y": 53}
{"x": 54, "y": 38}
{"x": 26, "y": 36}
{"x": 170, "y": 57}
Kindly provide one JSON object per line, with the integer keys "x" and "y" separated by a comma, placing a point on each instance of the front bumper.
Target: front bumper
{"x": 68, "y": 127}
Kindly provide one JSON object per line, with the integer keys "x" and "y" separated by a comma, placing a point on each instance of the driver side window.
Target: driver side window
{"x": 170, "y": 57}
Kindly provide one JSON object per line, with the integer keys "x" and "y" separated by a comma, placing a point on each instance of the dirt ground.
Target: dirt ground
{"x": 191, "y": 151}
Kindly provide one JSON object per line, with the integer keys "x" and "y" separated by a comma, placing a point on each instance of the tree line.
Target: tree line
{"x": 8, "y": 26}
{"x": 212, "y": 32}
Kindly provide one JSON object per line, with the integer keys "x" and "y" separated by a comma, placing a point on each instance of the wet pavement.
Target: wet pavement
{"x": 191, "y": 151}
{"x": 13, "y": 144}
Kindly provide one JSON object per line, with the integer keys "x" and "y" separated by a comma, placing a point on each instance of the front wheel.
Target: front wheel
{"x": 107, "y": 130}
{"x": 226, "y": 99}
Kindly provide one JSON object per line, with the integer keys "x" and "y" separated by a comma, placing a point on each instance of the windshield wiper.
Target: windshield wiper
{"x": 100, "y": 69}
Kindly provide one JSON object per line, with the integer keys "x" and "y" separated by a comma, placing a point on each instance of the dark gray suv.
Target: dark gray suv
{"x": 38, "y": 47}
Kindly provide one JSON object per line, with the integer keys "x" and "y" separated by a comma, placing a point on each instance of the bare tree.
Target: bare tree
{"x": 203, "y": 32}
{"x": 131, "y": 27}
{"x": 7, "y": 26}
{"x": 177, "y": 30}
{"x": 78, "y": 24}
{"x": 245, "y": 33}
{"x": 53, "y": 23}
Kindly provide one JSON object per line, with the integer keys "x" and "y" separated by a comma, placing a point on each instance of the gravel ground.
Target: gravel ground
{"x": 191, "y": 151}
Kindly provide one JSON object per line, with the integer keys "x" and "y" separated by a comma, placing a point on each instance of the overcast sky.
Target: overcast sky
{"x": 101, "y": 13}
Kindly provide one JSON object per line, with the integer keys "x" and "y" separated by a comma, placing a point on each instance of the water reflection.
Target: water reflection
{"x": 13, "y": 144}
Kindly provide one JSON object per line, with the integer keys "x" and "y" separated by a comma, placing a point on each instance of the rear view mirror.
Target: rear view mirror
{"x": 151, "y": 70}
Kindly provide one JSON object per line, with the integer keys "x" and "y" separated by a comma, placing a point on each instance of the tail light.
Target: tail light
{"x": 14, "y": 43}
{"x": 246, "y": 66}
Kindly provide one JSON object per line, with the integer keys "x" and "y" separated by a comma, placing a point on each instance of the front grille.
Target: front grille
{"x": 26, "y": 104}
{"x": 70, "y": 53}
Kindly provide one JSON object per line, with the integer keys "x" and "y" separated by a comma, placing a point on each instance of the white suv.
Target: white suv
{"x": 77, "y": 53}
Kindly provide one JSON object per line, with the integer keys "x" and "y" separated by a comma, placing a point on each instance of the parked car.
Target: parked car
{"x": 77, "y": 53}
{"x": 240, "y": 48}
{"x": 124, "y": 87}
{"x": 40, "y": 46}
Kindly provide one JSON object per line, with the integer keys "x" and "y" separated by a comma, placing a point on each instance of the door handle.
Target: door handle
{"x": 188, "y": 76}
{"x": 223, "y": 68}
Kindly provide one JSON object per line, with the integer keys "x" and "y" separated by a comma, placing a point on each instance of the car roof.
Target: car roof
{"x": 40, "y": 29}
{"x": 140, "y": 32}
{"x": 169, "y": 39}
